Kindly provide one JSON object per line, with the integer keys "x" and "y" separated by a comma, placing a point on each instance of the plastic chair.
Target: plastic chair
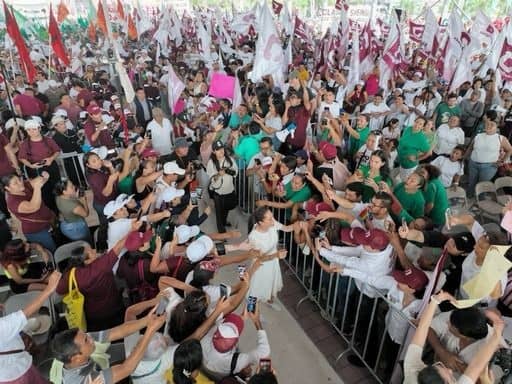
{"x": 503, "y": 185}
{"x": 458, "y": 199}
{"x": 487, "y": 201}
{"x": 64, "y": 252}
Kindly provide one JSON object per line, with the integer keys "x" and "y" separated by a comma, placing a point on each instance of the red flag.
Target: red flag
{"x": 15, "y": 35}
{"x": 505, "y": 60}
{"x": 276, "y": 7}
{"x": 300, "y": 29}
{"x": 62, "y": 12}
{"x": 341, "y": 4}
{"x": 91, "y": 31}
{"x": 120, "y": 9}
{"x": 416, "y": 31}
{"x": 101, "y": 20}
{"x": 56, "y": 39}
{"x": 132, "y": 29}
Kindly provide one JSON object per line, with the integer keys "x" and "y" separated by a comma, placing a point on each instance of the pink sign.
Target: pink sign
{"x": 222, "y": 86}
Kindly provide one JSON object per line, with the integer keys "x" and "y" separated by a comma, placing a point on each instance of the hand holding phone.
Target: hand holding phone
{"x": 251, "y": 304}
{"x": 223, "y": 290}
{"x": 265, "y": 365}
{"x": 162, "y": 305}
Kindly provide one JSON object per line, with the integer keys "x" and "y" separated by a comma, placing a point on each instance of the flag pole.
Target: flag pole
{"x": 49, "y": 56}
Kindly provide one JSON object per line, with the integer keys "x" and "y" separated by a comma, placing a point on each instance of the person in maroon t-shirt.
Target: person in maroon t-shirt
{"x": 102, "y": 178}
{"x": 38, "y": 154}
{"x": 8, "y": 165}
{"x": 103, "y": 304}
{"x": 84, "y": 96}
{"x": 24, "y": 200}
{"x": 297, "y": 111}
{"x": 96, "y": 130}
{"x": 72, "y": 109}
{"x": 26, "y": 104}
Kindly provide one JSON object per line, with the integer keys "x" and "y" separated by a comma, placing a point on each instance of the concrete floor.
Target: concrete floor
{"x": 295, "y": 357}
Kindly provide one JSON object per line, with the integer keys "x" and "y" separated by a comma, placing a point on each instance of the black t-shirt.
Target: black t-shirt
{"x": 182, "y": 162}
{"x": 434, "y": 239}
{"x": 67, "y": 142}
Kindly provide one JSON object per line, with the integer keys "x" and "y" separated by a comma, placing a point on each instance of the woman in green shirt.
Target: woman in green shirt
{"x": 371, "y": 175}
{"x": 73, "y": 209}
{"x": 413, "y": 146}
{"x": 435, "y": 194}
{"x": 411, "y": 198}
{"x": 129, "y": 165}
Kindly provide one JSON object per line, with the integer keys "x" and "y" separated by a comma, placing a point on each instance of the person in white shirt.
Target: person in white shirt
{"x": 376, "y": 112}
{"x": 160, "y": 129}
{"x": 15, "y": 362}
{"x": 371, "y": 254}
{"x": 329, "y": 108}
{"x": 172, "y": 172}
{"x": 448, "y": 136}
{"x": 220, "y": 345}
{"x": 412, "y": 87}
{"x": 452, "y": 168}
{"x": 416, "y": 109}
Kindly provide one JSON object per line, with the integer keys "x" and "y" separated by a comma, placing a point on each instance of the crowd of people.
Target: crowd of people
{"x": 358, "y": 174}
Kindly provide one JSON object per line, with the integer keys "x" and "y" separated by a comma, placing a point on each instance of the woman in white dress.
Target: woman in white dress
{"x": 267, "y": 280}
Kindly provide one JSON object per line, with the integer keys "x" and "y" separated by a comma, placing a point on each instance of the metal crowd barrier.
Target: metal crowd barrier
{"x": 358, "y": 319}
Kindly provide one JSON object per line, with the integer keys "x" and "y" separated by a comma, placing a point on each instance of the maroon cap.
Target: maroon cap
{"x": 149, "y": 152}
{"x": 412, "y": 277}
{"x": 327, "y": 149}
{"x": 374, "y": 238}
{"x": 93, "y": 109}
{"x": 314, "y": 208}
{"x": 228, "y": 333}
{"x": 137, "y": 239}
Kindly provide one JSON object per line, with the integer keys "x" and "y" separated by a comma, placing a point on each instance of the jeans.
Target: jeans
{"x": 479, "y": 172}
{"x": 42, "y": 237}
{"x": 77, "y": 230}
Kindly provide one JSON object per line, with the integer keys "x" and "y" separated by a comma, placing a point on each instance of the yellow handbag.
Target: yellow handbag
{"x": 74, "y": 301}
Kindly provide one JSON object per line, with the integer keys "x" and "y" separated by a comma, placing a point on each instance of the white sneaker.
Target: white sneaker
{"x": 276, "y": 307}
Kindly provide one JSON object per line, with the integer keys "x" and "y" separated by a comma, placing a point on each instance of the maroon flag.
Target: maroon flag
{"x": 276, "y": 7}
{"x": 505, "y": 60}
{"x": 56, "y": 39}
{"x": 300, "y": 29}
{"x": 365, "y": 40}
{"x": 416, "y": 31}
{"x": 341, "y": 4}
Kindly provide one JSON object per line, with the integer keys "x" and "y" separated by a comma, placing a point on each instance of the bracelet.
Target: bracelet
{"x": 434, "y": 300}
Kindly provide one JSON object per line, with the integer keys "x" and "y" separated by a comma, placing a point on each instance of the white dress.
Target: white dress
{"x": 267, "y": 280}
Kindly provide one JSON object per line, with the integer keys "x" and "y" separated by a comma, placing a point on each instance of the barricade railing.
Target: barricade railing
{"x": 359, "y": 320}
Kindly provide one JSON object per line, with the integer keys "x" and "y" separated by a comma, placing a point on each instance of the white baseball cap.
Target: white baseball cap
{"x": 102, "y": 152}
{"x": 170, "y": 193}
{"x": 32, "y": 124}
{"x": 171, "y": 167}
{"x": 112, "y": 207}
{"x": 186, "y": 232}
{"x": 10, "y": 122}
{"x": 61, "y": 113}
{"x": 198, "y": 249}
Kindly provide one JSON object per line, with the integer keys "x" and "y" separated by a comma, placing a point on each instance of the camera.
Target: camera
{"x": 117, "y": 164}
{"x": 196, "y": 165}
{"x": 229, "y": 171}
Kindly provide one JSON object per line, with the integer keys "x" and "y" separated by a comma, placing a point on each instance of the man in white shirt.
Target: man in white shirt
{"x": 169, "y": 179}
{"x": 448, "y": 136}
{"x": 160, "y": 129}
{"x": 371, "y": 254}
{"x": 412, "y": 87}
{"x": 329, "y": 108}
{"x": 220, "y": 346}
{"x": 376, "y": 112}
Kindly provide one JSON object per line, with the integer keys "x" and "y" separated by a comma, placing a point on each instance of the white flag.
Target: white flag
{"x": 354, "y": 75}
{"x": 237, "y": 94}
{"x": 125, "y": 81}
{"x": 269, "y": 55}
{"x": 174, "y": 88}
{"x": 430, "y": 31}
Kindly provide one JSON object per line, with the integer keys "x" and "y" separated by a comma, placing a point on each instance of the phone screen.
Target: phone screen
{"x": 265, "y": 365}
{"x": 162, "y": 305}
{"x": 223, "y": 290}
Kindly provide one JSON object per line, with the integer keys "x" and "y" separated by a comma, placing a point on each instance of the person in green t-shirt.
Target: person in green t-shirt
{"x": 371, "y": 175}
{"x": 358, "y": 135}
{"x": 413, "y": 146}
{"x": 435, "y": 195}
{"x": 410, "y": 197}
{"x": 239, "y": 117}
{"x": 296, "y": 191}
{"x": 247, "y": 146}
{"x": 445, "y": 110}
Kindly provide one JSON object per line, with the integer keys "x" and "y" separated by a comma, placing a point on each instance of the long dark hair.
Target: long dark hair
{"x": 14, "y": 253}
{"x": 384, "y": 169}
{"x": 216, "y": 161}
{"x": 257, "y": 217}
{"x": 188, "y": 316}
{"x": 188, "y": 358}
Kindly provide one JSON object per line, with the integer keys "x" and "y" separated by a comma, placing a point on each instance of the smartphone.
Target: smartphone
{"x": 162, "y": 305}
{"x": 199, "y": 192}
{"x": 251, "y": 304}
{"x": 448, "y": 214}
{"x": 257, "y": 162}
{"x": 241, "y": 271}
{"x": 404, "y": 223}
{"x": 265, "y": 365}
{"x": 193, "y": 198}
{"x": 81, "y": 192}
{"x": 326, "y": 109}
{"x": 223, "y": 290}
{"x": 149, "y": 135}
